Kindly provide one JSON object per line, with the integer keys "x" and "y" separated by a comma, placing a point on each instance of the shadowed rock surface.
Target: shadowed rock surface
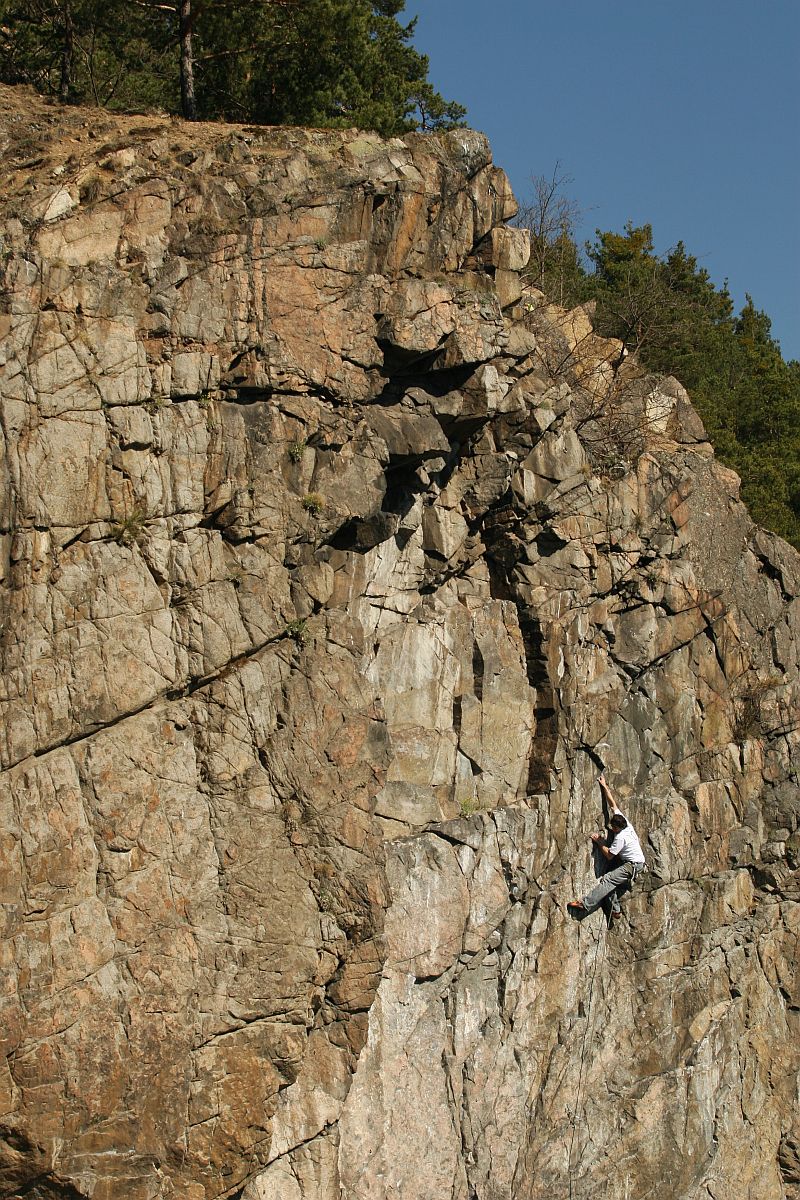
{"x": 334, "y": 565}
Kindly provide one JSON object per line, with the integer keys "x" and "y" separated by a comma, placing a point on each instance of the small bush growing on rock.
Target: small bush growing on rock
{"x": 314, "y": 503}
{"x": 749, "y": 717}
{"x": 296, "y": 451}
{"x": 90, "y": 189}
{"x": 130, "y": 530}
{"x": 297, "y": 630}
{"x": 326, "y": 897}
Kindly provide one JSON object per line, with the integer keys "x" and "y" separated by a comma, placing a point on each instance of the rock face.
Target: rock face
{"x": 335, "y": 566}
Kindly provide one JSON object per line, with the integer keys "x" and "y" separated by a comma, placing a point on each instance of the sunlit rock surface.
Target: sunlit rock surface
{"x": 336, "y": 563}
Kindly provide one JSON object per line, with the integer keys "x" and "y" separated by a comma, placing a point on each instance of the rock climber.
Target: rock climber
{"x": 625, "y": 856}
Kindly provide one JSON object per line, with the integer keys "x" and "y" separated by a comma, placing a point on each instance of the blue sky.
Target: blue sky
{"x": 683, "y": 113}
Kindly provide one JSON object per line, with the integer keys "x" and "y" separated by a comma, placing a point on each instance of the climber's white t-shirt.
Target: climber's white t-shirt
{"x": 626, "y": 845}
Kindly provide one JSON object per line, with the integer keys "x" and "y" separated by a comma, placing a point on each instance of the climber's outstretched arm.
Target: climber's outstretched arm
{"x": 612, "y": 804}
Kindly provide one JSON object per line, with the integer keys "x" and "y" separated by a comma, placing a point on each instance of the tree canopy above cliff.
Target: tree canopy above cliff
{"x": 306, "y": 62}
{"x": 667, "y": 309}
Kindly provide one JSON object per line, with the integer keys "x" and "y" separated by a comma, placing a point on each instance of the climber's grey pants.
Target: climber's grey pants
{"x": 617, "y": 877}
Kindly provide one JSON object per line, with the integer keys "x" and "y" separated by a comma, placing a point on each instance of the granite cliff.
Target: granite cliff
{"x": 335, "y": 564}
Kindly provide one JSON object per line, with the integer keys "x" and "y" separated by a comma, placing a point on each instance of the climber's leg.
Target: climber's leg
{"x": 607, "y": 887}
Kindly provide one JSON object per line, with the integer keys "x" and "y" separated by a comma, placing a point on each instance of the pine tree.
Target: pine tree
{"x": 117, "y": 55}
{"x": 306, "y": 62}
{"x": 667, "y": 309}
{"x": 320, "y": 63}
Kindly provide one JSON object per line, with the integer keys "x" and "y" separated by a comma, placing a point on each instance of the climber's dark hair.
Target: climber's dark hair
{"x": 618, "y": 821}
